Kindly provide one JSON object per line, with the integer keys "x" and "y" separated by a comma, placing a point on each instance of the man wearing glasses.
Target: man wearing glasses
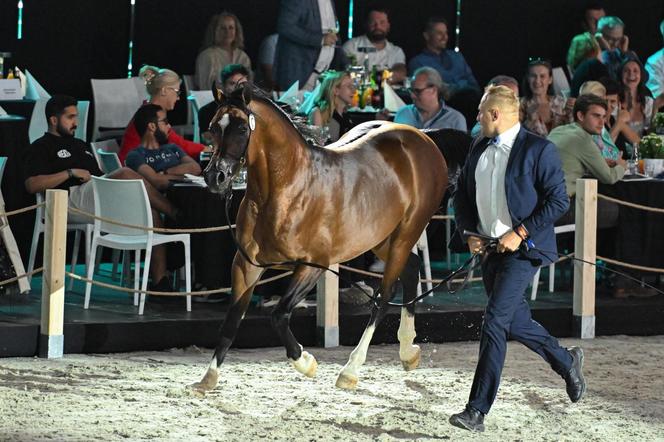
{"x": 429, "y": 110}
{"x": 613, "y": 42}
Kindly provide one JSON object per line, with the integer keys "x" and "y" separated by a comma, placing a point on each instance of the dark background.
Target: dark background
{"x": 67, "y": 42}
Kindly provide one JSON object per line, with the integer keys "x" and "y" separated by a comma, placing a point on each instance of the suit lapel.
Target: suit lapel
{"x": 519, "y": 143}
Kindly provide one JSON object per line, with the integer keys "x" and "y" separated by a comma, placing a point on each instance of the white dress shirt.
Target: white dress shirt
{"x": 494, "y": 216}
{"x": 328, "y": 22}
{"x": 383, "y": 59}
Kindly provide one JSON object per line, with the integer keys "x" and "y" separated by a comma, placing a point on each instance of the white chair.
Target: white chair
{"x": 108, "y": 161}
{"x": 82, "y": 130}
{"x": 198, "y": 99}
{"x": 38, "y": 124}
{"x": 422, "y": 246}
{"x": 127, "y": 201}
{"x": 552, "y": 267}
{"x": 86, "y": 228}
{"x": 7, "y": 237}
{"x": 560, "y": 82}
{"x": 115, "y": 102}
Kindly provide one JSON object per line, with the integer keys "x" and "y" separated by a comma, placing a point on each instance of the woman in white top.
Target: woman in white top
{"x": 224, "y": 41}
{"x": 635, "y": 97}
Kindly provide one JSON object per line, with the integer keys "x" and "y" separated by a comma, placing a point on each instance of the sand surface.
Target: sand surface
{"x": 143, "y": 396}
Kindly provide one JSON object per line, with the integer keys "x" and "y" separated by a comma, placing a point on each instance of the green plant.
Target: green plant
{"x": 652, "y": 146}
{"x": 658, "y": 122}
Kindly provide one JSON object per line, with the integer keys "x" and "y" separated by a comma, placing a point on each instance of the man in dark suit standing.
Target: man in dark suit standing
{"x": 512, "y": 187}
{"x": 307, "y": 37}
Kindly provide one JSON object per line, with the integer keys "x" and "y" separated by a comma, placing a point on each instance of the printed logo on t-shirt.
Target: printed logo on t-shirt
{"x": 63, "y": 153}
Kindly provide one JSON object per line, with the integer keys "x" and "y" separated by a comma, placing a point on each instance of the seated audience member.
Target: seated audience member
{"x": 618, "y": 119}
{"x": 636, "y": 96}
{"x": 373, "y": 49}
{"x": 580, "y": 156}
{"x": 590, "y": 69}
{"x": 613, "y": 42}
{"x": 541, "y": 110}
{"x": 223, "y": 44}
{"x": 604, "y": 142}
{"x": 163, "y": 87}
{"x": 655, "y": 68}
{"x": 429, "y": 110}
{"x": 592, "y": 12}
{"x": 232, "y": 76}
{"x": 266, "y": 53}
{"x": 498, "y": 80}
{"x": 583, "y": 47}
{"x": 59, "y": 161}
{"x": 336, "y": 95}
{"x": 156, "y": 159}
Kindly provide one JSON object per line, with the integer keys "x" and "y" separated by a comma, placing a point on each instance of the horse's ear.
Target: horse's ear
{"x": 247, "y": 93}
{"x": 217, "y": 93}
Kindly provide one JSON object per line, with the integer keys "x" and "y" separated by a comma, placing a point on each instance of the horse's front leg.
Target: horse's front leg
{"x": 244, "y": 276}
{"x": 349, "y": 375}
{"x": 408, "y": 352}
{"x": 303, "y": 280}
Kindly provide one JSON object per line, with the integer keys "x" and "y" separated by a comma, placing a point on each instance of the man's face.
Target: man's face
{"x": 487, "y": 118}
{"x": 591, "y": 17}
{"x": 67, "y": 122}
{"x": 378, "y": 26}
{"x": 233, "y": 82}
{"x": 593, "y": 120}
{"x": 163, "y": 127}
{"x": 613, "y": 36}
{"x": 437, "y": 37}
{"x": 424, "y": 95}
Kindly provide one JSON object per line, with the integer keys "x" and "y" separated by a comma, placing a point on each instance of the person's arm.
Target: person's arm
{"x": 291, "y": 29}
{"x": 315, "y": 118}
{"x": 594, "y": 163}
{"x": 40, "y": 183}
{"x": 187, "y": 165}
{"x": 469, "y": 78}
{"x": 192, "y": 149}
{"x": 159, "y": 180}
{"x": 465, "y": 212}
{"x": 621, "y": 126}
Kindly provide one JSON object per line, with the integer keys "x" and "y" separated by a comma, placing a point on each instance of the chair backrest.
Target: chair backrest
{"x": 188, "y": 80}
{"x": 108, "y": 161}
{"x": 560, "y": 82}
{"x": 82, "y": 129}
{"x": 125, "y": 201}
{"x": 3, "y": 163}
{"x": 115, "y": 102}
{"x": 198, "y": 99}
{"x": 38, "y": 124}
{"x": 110, "y": 145}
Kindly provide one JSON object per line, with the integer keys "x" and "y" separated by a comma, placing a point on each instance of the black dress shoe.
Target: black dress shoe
{"x": 576, "y": 384}
{"x": 469, "y": 419}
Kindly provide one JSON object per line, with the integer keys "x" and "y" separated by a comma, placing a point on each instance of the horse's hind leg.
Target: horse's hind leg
{"x": 303, "y": 280}
{"x": 244, "y": 276}
{"x": 409, "y": 353}
{"x": 398, "y": 256}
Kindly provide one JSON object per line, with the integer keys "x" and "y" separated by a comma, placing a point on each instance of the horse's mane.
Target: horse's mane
{"x": 310, "y": 135}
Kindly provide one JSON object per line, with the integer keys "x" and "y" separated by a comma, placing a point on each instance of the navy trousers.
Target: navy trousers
{"x": 507, "y": 316}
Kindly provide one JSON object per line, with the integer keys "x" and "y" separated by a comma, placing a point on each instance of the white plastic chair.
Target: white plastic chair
{"x": 86, "y": 228}
{"x": 560, "y": 82}
{"x": 108, "y": 161}
{"x": 127, "y": 201}
{"x": 115, "y": 102}
{"x": 552, "y": 267}
{"x": 38, "y": 124}
{"x": 83, "y": 108}
{"x": 198, "y": 99}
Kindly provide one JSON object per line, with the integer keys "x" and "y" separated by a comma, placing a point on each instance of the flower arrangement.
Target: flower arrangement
{"x": 652, "y": 146}
{"x": 658, "y": 122}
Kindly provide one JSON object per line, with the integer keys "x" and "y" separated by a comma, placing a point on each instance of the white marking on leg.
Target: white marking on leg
{"x": 406, "y": 335}
{"x": 213, "y": 363}
{"x": 359, "y": 354}
{"x": 305, "y": 364}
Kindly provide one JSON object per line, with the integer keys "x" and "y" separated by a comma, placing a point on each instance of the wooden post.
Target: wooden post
{"x": 51, "y": 339}
{"x": 327, "y": 309}
{"x": 585, "y": 248}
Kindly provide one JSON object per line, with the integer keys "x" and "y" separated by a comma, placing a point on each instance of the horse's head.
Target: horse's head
{"x": 231, "y": 129}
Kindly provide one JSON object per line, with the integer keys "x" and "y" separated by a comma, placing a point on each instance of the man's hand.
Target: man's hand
{"x": 329, "y": 39}
{"x": 624, "y": 44}
{"x": 475, "y": 245}
{"x": 509, "y": 242}
{"x": 82, "y": 174}
{"x": 621, "y": 161}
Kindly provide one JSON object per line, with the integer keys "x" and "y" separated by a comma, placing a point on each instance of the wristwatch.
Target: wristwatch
{"x": 70, "y": 173}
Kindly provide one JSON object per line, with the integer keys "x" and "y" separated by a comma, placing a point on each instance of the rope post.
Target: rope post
{"x": 51, "y": 338}
{"x": 585, "y": 248}
{"x": 327, "y": 309}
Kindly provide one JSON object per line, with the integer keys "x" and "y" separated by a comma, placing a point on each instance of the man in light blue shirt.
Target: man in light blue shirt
{"x": 429, "y": 110}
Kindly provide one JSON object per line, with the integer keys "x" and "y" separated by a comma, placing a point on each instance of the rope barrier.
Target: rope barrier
{"x": 152, "y": 229}
{"x": 24, "y": 209}
{"x": 152, "y": 292}
{"x": 628, "y": 204}
{"x": 24, "y": 275}
{"x": 631, "y": 266}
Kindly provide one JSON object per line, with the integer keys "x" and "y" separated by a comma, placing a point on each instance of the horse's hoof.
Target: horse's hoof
{"x": 414, "y": 361}
{"x": 347, "y": 381}
{"x": 306, "y": 365}
{"x": 208, "y": 383}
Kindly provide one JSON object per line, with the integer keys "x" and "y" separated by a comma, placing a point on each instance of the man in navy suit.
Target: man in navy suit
{"x": 512, "y": 187}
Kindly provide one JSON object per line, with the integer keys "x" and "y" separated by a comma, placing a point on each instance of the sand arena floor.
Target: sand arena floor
{"x": 143, "y": 396}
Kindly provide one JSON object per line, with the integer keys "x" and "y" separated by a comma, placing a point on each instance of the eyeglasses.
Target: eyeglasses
{"x": 174, "y": 89}
{"x": 418, "y": 91}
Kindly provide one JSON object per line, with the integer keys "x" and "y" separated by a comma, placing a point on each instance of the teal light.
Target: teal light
{"x": 350, "y": 19}
{"x": 130, "y": 65}
{"x": 19, "y": 27}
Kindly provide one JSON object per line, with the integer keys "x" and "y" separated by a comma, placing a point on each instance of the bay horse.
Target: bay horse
{"x": 375, "y": 189}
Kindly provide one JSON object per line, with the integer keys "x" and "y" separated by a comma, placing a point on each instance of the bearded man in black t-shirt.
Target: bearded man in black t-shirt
{"x": 59, "y": 161}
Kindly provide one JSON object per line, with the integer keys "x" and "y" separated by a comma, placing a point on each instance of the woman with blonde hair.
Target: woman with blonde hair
{"x": 223, "y": 45}
{"x": 163, "y": 88}
{"x": 335, "y": 96}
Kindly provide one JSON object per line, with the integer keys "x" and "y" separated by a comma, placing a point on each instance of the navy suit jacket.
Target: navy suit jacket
{"x": 534, "y": 187}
